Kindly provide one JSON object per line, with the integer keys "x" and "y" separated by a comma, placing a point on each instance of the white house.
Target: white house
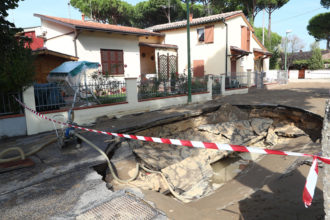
{"x": 222, "y": 43}
{"x": 115, "y": 47}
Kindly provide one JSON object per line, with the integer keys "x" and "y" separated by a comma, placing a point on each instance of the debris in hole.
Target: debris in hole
{"x": 194, "y": 173}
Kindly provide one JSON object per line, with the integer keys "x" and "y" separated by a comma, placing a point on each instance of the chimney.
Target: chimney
{"x": 82, "y": 16}
{"x": 190, "y": 16}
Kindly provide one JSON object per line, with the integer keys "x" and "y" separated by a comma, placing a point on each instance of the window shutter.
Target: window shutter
{"x": 105, "y": 61}
{"x": 209, "y": 34}
{"x": 112, "y": 61}
{"x": 248, "y": 39}
{"x": 198, "y": 68}
{"x": 243, "y": 37}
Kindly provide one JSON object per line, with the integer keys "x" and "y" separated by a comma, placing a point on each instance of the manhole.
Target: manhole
{"x": 125, "y": 207}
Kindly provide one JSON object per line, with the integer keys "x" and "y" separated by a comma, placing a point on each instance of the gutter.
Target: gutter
{"x": 119, "y": 32}
{"x": 75, "y": 37}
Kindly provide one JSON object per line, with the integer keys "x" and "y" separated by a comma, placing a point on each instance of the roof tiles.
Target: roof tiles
{"x": 195, "y": 21}
{"x": 80, "y": 24}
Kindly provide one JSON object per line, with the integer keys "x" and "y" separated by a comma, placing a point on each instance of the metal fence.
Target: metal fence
{"x": 55, "y": 96}
{"x": 176, "y": 85}
{"x": 8, "y": 105}
{"x": 237, "y": 80}
{"x": 216, "y": 84}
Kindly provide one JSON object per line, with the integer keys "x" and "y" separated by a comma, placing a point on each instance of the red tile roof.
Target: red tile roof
{"x": 90, "y": 25}
{"x": 196, "y": 21}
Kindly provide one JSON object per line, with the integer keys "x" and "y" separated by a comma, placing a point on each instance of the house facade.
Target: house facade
{"x": 115, "y": 47}
{"x": 223, "y": 43}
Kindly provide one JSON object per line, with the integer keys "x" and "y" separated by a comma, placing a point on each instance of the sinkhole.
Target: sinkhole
{"x": 192, "y": 173}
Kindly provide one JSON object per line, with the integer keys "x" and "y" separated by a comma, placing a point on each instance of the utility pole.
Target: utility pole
{"x": 188, "y": 52}
{"x": 285, "y": 53}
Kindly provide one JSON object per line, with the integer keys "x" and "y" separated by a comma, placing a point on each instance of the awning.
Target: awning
{"x": 237, "y": 53}
{"x": 45, "y": 51}
{"x": 72, "y": 68}
{"x": 261, "y": 54}
{"x": 167, "y": 46}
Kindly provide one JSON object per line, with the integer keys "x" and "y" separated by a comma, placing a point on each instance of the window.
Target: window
{"x": 112, "y": 62}
{"x": 200, "y": 34}
{"x": 206, "y": 34}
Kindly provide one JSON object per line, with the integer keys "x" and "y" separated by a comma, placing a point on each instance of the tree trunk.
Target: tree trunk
{"x": 270, "y": 27}
{"x": 328, "y": 44}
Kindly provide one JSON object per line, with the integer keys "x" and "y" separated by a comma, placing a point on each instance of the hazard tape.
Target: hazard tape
{"x": 310, "y": 181}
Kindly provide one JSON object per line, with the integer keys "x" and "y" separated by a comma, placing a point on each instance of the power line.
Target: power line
{"x": 298, "y": 15}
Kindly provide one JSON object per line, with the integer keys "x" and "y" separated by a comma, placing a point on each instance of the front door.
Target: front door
{"x": 301, "y": 74}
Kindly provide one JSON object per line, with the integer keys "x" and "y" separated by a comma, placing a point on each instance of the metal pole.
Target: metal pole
{"x": 263, "y": 26}
{"x": 188, "y": 53}
{"x": 286, "y": 42}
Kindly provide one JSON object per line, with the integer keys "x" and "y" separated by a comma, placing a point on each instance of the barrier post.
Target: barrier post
{"x": 326, "y": 153}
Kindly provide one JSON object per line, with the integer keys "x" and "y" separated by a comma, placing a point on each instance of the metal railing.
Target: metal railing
{"x": 8, "y": 105}
{"x": 216, "y": 84}
{"x": 176, "y": 85}
{"x": 55, "y": 96}
{"x": 237, "y": 80}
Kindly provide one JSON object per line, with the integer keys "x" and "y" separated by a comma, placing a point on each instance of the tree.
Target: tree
{"x": 272, "y": 46}
{"x": 106, "y": 11}
{"x": 270, "y": 6}
{"x": 294, "y": 44}
{"x": 319, "y": 27}
{"x": 325, "y": 3}
{"x": 315, "y": 62}
{"x": 16, "y": 69}
{"x": 250, "y": 8}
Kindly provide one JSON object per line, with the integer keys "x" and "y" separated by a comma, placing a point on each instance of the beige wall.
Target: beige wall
{"x": 61, "y": 43}
{"x": 151, "y": 39}
{"x": 213, "y": 54}
{"x": 90, "y": 43}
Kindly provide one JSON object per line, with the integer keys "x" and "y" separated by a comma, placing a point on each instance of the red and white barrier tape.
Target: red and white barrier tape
{"x": 310, "y": 184}
{"x": 310, "y": 181}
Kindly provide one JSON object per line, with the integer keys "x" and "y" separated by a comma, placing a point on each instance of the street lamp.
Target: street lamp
{"x": 286, "y": 45}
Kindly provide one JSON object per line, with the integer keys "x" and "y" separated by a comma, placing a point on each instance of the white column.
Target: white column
{"x": 223, "y": 84}
{"x": 28, "y": 99}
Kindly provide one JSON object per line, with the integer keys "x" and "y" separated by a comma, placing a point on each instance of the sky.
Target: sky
{"x": 293, "y": 16}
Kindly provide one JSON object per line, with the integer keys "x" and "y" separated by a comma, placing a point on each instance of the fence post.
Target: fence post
{"x": 28, "y": 99}
{"x": 248, "y": 78}
{"x": 131, "y": 90}
{"x": 326, "y": 153}
{"x": 209, "y": 83}
{"x": 223, "y": 84}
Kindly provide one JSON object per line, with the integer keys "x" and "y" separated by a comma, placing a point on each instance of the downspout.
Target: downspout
{"x": 75, "y": 37}
{"x": 226, "y": 63}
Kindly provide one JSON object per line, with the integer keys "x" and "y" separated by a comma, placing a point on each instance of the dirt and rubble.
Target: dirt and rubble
{"x": 198, "y": 173}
